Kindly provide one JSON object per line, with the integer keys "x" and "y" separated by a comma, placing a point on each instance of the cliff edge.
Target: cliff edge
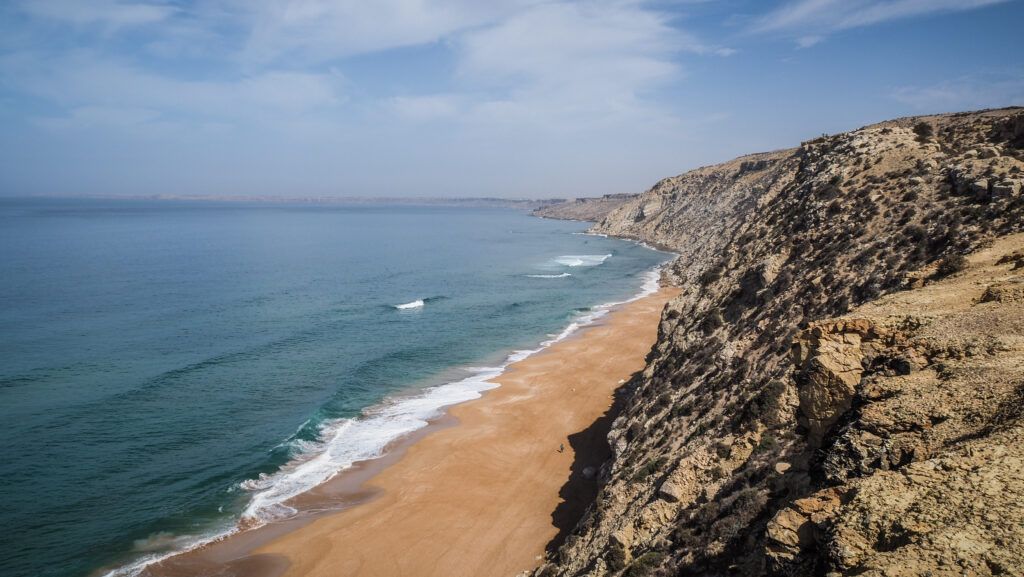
{"x": 586, "y": 209}
{"x": 839, "y": 388}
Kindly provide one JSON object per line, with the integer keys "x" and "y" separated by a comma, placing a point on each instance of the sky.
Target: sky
{"x": 465, "y": 98}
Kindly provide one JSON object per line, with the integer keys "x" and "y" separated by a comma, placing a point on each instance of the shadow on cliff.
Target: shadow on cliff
{"x": 591, "y": 450}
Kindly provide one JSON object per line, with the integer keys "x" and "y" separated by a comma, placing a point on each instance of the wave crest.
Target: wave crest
{"x": 575, "y": 260}
{"x": 563, "y": 275}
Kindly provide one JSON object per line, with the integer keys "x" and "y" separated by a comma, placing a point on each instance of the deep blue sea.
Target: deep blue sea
{"x": 169, "y": 367}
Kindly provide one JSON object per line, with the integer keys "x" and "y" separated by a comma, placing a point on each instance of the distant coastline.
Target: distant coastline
{"x": 587, "y": 209}
{"x": 517, "y": 203}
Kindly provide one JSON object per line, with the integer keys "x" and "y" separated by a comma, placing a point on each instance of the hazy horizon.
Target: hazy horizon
{"x": 449, "y": 98}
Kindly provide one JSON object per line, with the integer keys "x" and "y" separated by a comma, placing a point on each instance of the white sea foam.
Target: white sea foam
{"x": 575, "y": 260}
{"x": 413, "y": 305}
{"x": 179, "y": 544}
{"x": 563, "y": 275}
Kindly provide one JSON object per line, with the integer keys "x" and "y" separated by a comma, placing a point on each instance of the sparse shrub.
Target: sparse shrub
{"x": 650, "y": 467}
{"x": 707, "y": 513}
{"x": 723, "y": 450}
{"x": 684, "y": 537}
{"x": 767, "y": 443}
{"x": 712, "y": 275}
{"x": 783, "y": 281}
{"x": 740, "y": 365}
{"x": 916, "y": 233}
{"x": 763, "y": 406}
{"x": 642, "y": 565}
{"x": 924, "y": 131}
{"x": 616, "y": 558}
{"x": 635, "y": 430}
{"x": 712, "y": 321}
{"x": 843, "y": 306}
{"x": 745, "y": 500}
{"x": 684, "y": 409}
{"x": 951, "y": 265}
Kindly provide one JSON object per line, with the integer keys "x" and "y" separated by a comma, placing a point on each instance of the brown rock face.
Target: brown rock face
{"x": 820, "y": 380}
{"x": 828, "y": 358}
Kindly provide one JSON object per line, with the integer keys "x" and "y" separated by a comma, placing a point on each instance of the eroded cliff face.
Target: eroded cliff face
{"x": 792, "y": 422}
{"x": 586, "y": 209}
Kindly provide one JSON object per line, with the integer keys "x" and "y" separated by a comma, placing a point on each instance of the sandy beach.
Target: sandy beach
{"x": 481, "y": 492}
{"x": 482, "y": 498}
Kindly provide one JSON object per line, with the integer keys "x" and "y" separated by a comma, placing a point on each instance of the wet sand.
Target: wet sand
{"x": 478, "y": 499}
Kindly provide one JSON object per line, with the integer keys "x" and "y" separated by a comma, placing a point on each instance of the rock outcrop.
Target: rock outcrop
{"x": 837, "y": 390}
{"x": 587, "y": 209}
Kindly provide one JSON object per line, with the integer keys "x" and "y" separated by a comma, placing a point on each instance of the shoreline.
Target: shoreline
{"x": 253, "y": 552}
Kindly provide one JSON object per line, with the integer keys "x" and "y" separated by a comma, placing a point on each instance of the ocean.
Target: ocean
{"x": 169, "y": 368}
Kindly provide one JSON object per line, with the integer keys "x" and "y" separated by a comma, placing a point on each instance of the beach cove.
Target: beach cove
{"x": 484, "y": 497}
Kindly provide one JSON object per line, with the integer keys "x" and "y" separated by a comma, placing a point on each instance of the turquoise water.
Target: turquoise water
{"x": 167, "y": 368}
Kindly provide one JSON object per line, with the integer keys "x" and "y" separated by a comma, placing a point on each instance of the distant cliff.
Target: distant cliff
{"x": 839, "y": 388}
{"x": 589, "y": 209}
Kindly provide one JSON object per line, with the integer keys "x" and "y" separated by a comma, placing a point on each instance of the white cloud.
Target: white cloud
{"x": 109, "y": 13}
{"x": 322, "y": 30}
{"x": 965, "y": 93}
{"x": 85, "y": 82}
{"x": 808, "y": 41}
{"x": 564, "y": 62}
{"x": 813, "y": 18}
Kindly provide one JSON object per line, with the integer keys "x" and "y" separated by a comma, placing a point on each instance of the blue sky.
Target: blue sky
{"x": 514, "y": 98}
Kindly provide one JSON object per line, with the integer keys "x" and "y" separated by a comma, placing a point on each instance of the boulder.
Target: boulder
{"x": 988, "y": 152}
{"x": 980, "y": 189}
{"x": 1006, "y": 189}
{"x": 793, "y": 530}
{"x": 959, "y": 177}
{"x": 828, "y": 360}
{"x": 671, "y": 492}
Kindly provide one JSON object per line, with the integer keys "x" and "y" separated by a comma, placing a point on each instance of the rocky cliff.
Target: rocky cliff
{"x": 589, "y": 209}
{"x": 839, "y": 388}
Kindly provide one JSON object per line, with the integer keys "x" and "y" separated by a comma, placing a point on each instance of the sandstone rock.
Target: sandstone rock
{"x": 1004, "y": 292}
{"x": 671, "y": 492}
{"x": 1006, "y": 189}
{"x": 793, "y": 530}
{"x": 828, "y": 360}
{"x": 971, "y": 154}
{"x": 917, "y": 181}
{"x": 980, "y": 189}
{"x": 988, "y": 152}
{"x": 789, "y": 533}
{"x": 959, "y": 177}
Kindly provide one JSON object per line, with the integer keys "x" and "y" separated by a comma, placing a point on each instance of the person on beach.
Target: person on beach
{"x": 561, "y": 447}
